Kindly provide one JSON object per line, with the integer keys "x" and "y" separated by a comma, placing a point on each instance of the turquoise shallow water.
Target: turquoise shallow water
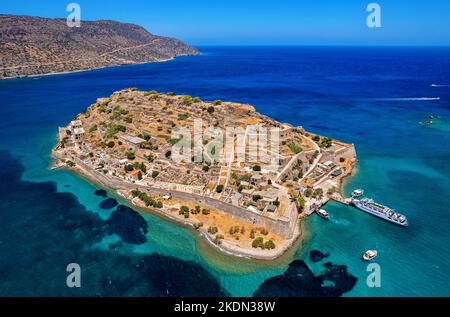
{"x": 360, "y": 95}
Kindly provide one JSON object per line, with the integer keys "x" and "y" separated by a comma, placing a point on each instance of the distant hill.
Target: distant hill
{"x": 38, "y": 46}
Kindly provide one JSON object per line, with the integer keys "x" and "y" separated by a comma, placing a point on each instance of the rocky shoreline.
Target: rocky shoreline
{"x": 225, "y": 247}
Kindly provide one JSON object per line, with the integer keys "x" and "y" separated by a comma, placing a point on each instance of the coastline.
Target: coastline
{"x": 225, "y": 247}
{"x": 87, "y": 70}
{"x": 318, "y": 182}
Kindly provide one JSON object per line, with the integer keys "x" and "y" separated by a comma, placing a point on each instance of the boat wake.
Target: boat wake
{"x": 409, "y": 99}
{"x": 436, "y": 85}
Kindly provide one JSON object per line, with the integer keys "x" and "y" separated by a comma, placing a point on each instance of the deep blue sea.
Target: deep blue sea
{"x": 372, "y": 97}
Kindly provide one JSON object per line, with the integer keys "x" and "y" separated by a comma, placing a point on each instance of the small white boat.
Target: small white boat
{"x": 358, "y": 193}
{"x": 369, "y": 255}
{"x": 323, "y": 213}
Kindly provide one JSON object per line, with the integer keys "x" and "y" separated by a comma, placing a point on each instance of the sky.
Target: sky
{"x": 264, "y": 22}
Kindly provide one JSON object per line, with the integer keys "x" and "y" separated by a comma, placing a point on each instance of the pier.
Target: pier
{"x": 338, "y": 198}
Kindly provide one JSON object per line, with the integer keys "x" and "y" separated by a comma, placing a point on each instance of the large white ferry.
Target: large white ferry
{"x": 380, "y": 211}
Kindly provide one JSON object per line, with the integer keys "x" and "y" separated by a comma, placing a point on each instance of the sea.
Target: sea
{"x": 378, "y": 98}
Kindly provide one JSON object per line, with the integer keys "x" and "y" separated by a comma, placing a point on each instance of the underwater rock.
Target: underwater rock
{"x": 300, "y": 281}
{"x": 128, "y": 224}
{"x": 108, "y": 203}
{"x": 317, "y": 256}
{"x": 100, "y": 192}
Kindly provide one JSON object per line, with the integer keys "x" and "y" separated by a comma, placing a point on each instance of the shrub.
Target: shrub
{"x": 219, "y": 188}
{"x": 155, "y": 174}
{"x": 212, "y": 230}
{"x": 205, "y": 168}
{"x": 217, "y": 102}
{"x": 210, "y": 109}
{"x": 295, "y": 148}
{"x": 257, "y": 168}
{"x": 269, "y": 245}
{"x": 258, "y": 243}
{"x": 256, "y": 197}
{"x": 131, "y": 156}
{"x": 111, "y": 144}
{"x": 205, "y": 211}
{"x": 128, "y": 168}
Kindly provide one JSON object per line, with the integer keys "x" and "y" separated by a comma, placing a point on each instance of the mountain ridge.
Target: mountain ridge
{"x": 40, "y": 46}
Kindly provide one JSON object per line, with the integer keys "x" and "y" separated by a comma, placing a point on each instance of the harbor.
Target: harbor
{"x": 366, "y": 205}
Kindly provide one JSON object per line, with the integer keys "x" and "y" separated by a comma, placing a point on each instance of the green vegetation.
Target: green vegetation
{"x": 342, "y": 159}
{"x": 326, "y": 142}
{"x": 256, "y": 197}
{"x": 212, "y": 230}
{"x": 168, "y": 154}
{"x": 269, "y": 245}
{"x": 173, "y": 141}
{"x": 114, "y": 129}
{"x": 149, "y": 201}
{"x": 300, "y": 201}
{"x": 184, "y": 210}
{"x": 151, "y": 92}
{"x": 317, "y": 193}
{"x": 217, "y": 102}
{"x": 187, "y": 100}
{"x": 183, "y": 116}
{"x": 70, "y": 163}
{"x": 257, "y": 168}
{"x": 219, "y": 188}
{"x": 155, "y": 174}
{"x": 295, "y": 148}
{"x": 210, "y": 109}
{"x": 259, "y": 243}
{"x": 196, "y": 100}
{"x": 205, "y": 168}
{"x": 146, "y": 145}
{"x": 131, "y": 155}
{"x": 128, "y": 168}
{"x": 241, "y": 178}
{"x": 277, "y": 202}
{"x": 140, "y": 166}
{"x": 196, "y": 210}
{"x": 110, "y": 144}
{"x": 234, "y": 229}
{"x": 205, "y": 211}
{"x": 93, "y": 128}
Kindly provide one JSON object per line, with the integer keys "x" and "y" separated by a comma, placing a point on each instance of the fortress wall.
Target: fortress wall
{"x": 348, "y": 152}
{"x": 284, "y": 227}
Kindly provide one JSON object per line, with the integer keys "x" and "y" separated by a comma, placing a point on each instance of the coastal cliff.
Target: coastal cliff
{"x": 39, "y": 46}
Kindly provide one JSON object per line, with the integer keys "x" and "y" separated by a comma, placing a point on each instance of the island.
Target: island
{"x": 245, "y": 191}
{"x": 35, "y": 46}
